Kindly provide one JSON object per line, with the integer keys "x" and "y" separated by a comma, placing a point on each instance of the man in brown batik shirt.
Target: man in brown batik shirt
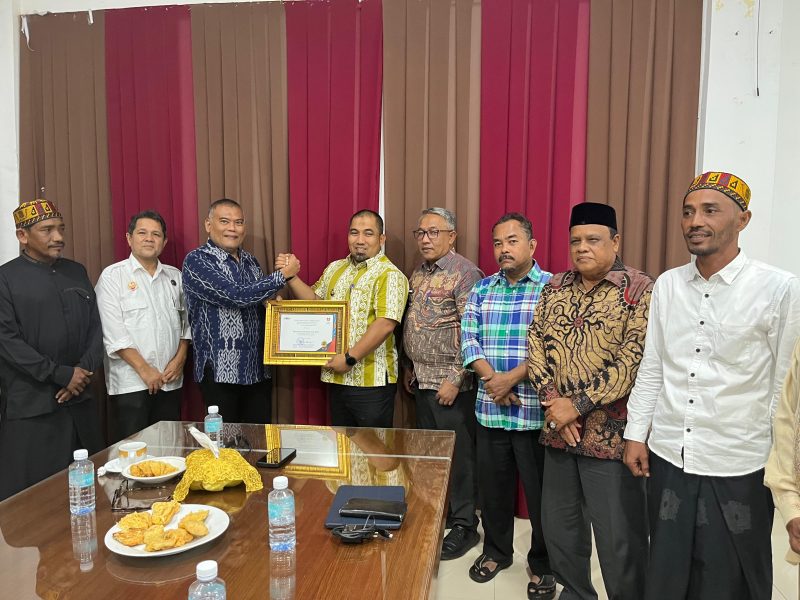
{"x": 434, "y": 373}
{"x": 584, "y": 348}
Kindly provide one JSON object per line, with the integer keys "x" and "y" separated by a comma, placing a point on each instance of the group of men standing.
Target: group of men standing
{"x": 583, "y": 384}
{"x": 635, "y": 409}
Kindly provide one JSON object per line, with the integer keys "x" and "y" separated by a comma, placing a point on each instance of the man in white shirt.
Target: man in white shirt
{"x": 145, "y": 331}
{"x": 719, "y": 341}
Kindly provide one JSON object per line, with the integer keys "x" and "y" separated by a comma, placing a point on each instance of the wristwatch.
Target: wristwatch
{"x": 351, "y": 362}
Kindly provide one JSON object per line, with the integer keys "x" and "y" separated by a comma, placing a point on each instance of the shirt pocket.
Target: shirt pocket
{"x": 134, "y": 313}
{"x": 734, "y": 344}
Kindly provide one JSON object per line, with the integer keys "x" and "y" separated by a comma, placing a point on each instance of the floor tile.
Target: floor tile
{"x": 453, "y": 583}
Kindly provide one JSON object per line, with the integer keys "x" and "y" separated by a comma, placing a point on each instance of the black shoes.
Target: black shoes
{"x": 458, "y": 542}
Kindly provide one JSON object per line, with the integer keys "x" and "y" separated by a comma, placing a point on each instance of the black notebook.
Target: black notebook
{"x": 376, "y": 492}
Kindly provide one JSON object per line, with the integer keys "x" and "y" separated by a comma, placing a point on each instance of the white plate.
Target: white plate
{"x": 114, "y": 466}
{"x": 217, "y": 522}
{"x": 176, "y": 461}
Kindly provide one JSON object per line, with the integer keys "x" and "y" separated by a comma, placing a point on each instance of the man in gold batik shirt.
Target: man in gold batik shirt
{"x": 584, "y": 348}
{"x": 362, "y": 379}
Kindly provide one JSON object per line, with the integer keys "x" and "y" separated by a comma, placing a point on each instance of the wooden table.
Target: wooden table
{"x": 36, "y": 547}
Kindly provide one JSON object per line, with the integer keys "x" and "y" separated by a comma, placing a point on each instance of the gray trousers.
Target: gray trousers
{"x": 580, "y": 494}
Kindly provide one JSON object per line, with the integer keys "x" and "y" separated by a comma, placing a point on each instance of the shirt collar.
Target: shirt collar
{"x": 728, "y": 273}
{"x": 33, "y": 261}
{"x": 367, "y": 263}
{"x": 135, "y": 264}
{"x": 535, "y": 275}
{"x": 615, "y": 275}
{"x": 442, "y": 263}
{"x": 220, "y": 254}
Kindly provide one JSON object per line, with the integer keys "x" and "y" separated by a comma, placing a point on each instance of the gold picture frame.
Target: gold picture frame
{"x": 293, "y": 326}
{"x": 322, "y": 452}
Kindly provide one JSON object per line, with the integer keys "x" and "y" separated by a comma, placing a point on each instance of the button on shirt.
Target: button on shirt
{"x": 374, "y": 288}
{"x": 495, "y": 328}
{"x": 224, "y": 299}
{"x": 141, "y": 312}
{"x": 716, "y": 354}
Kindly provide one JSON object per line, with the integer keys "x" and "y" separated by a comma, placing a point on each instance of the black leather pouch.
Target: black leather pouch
{"x": 379, "y": 509}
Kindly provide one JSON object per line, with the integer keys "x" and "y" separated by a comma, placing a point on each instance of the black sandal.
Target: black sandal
{"x": 480, "y": 573}
{"x": 544, "y": 590}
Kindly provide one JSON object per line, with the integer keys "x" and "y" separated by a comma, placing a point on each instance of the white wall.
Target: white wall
{"x": 755, "y": 135}
{"x": 9, "y": 119}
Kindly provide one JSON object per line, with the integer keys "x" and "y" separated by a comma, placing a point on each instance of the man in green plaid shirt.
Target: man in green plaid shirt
{"x": 494, "y": 345}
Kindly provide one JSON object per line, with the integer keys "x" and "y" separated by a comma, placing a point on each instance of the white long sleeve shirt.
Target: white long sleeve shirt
{"x": 716, "y": 354}
{"x": 142, "y": 312}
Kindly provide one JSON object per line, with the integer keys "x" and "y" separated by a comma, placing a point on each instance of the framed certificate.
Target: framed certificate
{"x": 322, "y": 452}
{"x": 305, "y": 332}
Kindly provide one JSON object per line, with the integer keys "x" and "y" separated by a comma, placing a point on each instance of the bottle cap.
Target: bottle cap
{"x": 280, "y": 482}
{"x": 213, "y": 410}
{"x": 206, "y": 570}
{"x": 80, "y": 454}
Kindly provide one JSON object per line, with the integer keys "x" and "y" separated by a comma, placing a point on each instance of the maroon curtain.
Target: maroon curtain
{"x": 534, "y": 87}
{"x": 151, "y": 133}
{"x": 534, "y": 83}
{"x": 334, "y": 79}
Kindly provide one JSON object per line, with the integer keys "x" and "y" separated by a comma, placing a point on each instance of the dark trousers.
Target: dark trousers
{"x": 238, "y": 403}
{"x": 710, "y": 537}
{"x": 583, "y": 493}
{"x": 353, "y": 406}
{"x": 459, "y": 417}
{"x": 134, "y": 411}
{"x": 34, "y": 448}
{"x": 502, "y": 455}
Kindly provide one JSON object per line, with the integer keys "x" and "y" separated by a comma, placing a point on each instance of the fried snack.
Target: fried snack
{"x": 137, "y": 520}
{"x": 198, "y": 515}
{"x": 205, "y": 472}
{"x": 194, "y": 523}
{"x": 164, "y": 511}
{"x": 155, "y": 539}
{"x": 178, "y": 537}
{"x": 152, "y": 468}
{"x": 130, "y": 537}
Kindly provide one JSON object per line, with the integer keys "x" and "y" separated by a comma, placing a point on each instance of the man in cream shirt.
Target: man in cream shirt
{"x": 783, "y": 467}
{"x": 145, "y": 331}
{"x": 719, "y": 340}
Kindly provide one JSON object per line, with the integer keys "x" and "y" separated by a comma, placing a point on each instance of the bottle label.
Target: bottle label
{"x": 213, "y": 427}
{"x": 282, "y": 509}
{"x": 78, "y": 479}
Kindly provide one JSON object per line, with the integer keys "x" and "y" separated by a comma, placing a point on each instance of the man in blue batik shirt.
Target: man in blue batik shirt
{"x": 225, "y": 288}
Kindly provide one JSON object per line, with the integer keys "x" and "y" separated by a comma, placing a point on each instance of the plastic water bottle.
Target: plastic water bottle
{"x": 281, "y": 516}
{"x": 81, "y": 483}
{"x": 208, "y": 586}
{"x": 213, "y": 425}
{"x": 282, "y": 566}
{"x": 84, "y": 539}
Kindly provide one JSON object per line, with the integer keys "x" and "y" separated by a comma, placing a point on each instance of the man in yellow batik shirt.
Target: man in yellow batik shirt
{"x": 362, "y": 381}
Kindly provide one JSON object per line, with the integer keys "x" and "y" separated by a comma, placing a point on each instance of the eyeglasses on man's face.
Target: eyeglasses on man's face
{"x": 432, "y": 233}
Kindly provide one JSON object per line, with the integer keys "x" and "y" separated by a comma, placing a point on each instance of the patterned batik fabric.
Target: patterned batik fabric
{"x": 494, "y": 328}
{"x": 374, "y": 289}
{"x": 224, "y": 299}
{"x": 587, "y": 346}
{"x": 432, "y": 327}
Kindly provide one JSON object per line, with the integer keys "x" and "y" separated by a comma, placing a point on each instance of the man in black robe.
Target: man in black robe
{"x": 51, "y": 345}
